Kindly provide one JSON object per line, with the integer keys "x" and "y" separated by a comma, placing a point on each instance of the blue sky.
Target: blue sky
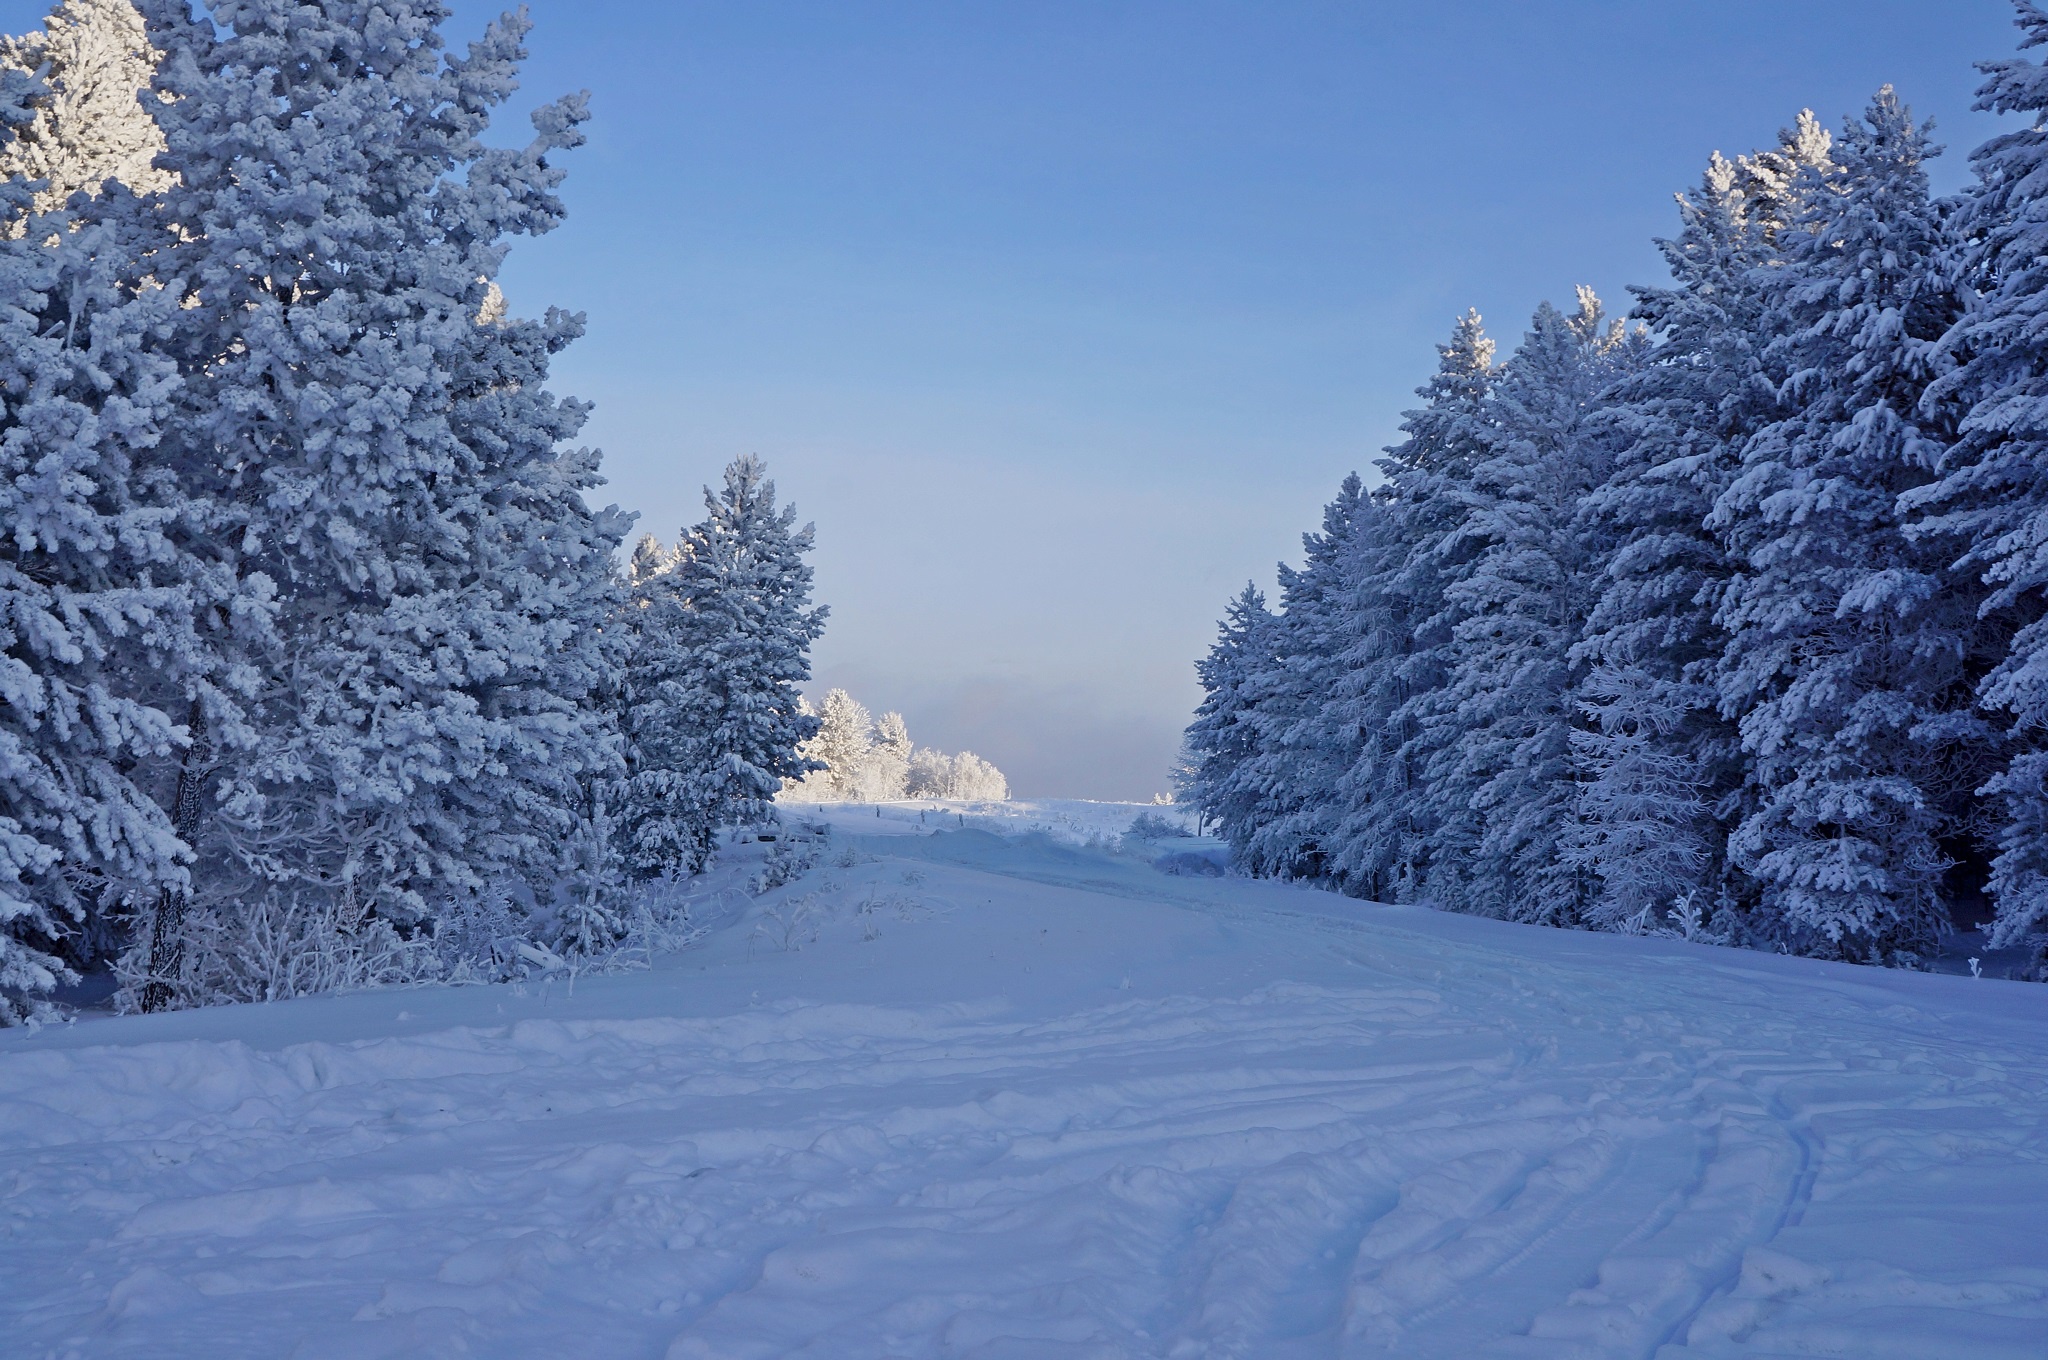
{"x": 1064, "y": 319}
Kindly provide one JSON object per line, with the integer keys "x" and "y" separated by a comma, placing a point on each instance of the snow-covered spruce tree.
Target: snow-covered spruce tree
{"x": 1661, "y": 769}
{"x": 714, "y": 721}
{"x": 429, "y": 720}
{"x": 1394, "y": 660}
{"x": 658, "y": 822}
{"x": 1301, "y": 753}
{"x": 1501, "y": 775}
{"x": 1989, "y": 508}
{"x": 113, "y": 601}
{"x": 1852, "y": 649}
{"x": 91, "y": 123}
{"x": 1224, "y": 740}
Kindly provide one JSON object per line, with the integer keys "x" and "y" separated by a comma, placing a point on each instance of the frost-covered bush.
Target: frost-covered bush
{"x": 277, "y": 948}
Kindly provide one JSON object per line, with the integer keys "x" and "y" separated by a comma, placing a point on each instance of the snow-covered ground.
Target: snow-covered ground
{"x": 964, "y": 1094}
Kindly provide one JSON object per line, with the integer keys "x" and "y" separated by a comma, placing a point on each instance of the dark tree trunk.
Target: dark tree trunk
{"x": 167, "y": 936}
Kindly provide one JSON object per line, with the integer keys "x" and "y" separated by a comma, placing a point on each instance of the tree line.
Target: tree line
{"x": 1728, "y": 621}
{"x": 864, "y": 759}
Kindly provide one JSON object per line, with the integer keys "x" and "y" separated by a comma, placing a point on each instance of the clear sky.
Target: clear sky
{"x": 1064, "y": 319}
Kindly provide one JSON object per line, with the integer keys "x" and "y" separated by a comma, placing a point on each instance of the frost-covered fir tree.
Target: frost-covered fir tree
{"x": 1851, "y": 648}
{"x": 429, "y": 719}
{"x": 1500, "y": 775}
{"x": 1395, "y": 659}
{"x": 1660, "y": 767}
{"x": 92, "y": 122}
{"x": 714, "y": 721}
{"x": 1989, "y": 508}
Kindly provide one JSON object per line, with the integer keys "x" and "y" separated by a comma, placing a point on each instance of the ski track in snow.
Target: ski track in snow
{"x": 1234, "y": 1120}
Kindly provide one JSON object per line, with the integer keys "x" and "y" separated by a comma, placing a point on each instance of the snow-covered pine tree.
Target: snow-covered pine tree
{"x": 1394, "y": 661}
{"x": 92, "y": 123}
{"x": 1851, "y": 648}
{"x": 429, "y": 719}
{"x": 1224, "y": 740}
{"x": 113, "y": 598}
{"x": 1501, "y": 774}
{"x": 715, "y": 721}
{"x": 1989, "y": 508}
{"x": 1660, "y": 766}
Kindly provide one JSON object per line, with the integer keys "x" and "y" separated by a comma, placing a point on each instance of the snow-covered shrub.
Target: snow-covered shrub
{"x": 478, "y": 938}
{"x": 787, "y": 860}
{"x": 278, "y": 947}
{"x": 1189, "y": 864}
{"x": 790, "y": 924}
{"x": 1150, "y": 826}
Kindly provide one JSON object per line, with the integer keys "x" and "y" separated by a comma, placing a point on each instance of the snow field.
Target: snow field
{"x": 1069, "y": 821}
{"x": 1010, "y": 1098}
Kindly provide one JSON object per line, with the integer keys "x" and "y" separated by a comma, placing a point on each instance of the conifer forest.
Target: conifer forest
{"x": 1721, "y": 618}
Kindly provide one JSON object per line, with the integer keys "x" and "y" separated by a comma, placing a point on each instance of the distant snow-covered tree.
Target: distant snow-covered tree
{"x": 929, "y": 774}
{"x": 888, "y": 770}
{"x": 861, "y": 759}
{"x": 841, "y": 748}
{"x": 976, "y": 780}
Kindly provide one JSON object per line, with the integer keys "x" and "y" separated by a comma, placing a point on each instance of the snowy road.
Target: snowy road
{"x": 1023, "y": 1101}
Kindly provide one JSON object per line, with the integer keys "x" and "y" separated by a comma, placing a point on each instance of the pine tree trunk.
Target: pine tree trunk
{"x": 167, "y": 936}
